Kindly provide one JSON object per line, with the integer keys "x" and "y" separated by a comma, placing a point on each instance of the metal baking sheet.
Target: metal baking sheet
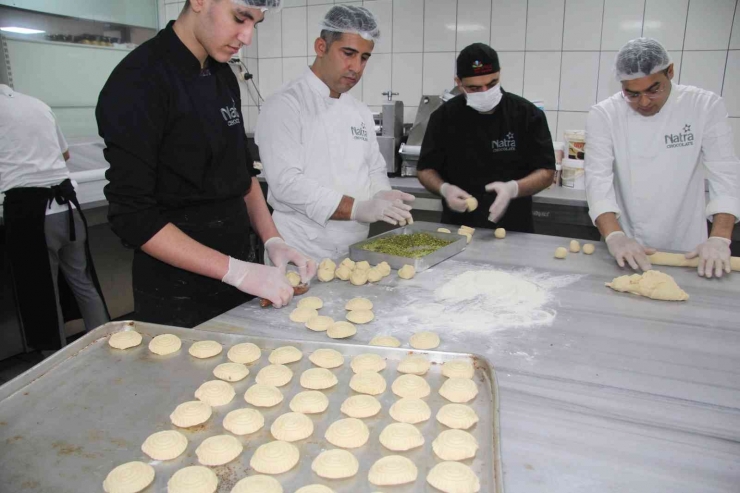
{"x": 357, "y": 254}
{"x": 67, "y": 422}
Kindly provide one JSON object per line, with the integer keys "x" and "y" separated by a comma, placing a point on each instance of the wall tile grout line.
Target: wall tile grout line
{"x": 683, "y": 43}
{"x": 729, "y": 42}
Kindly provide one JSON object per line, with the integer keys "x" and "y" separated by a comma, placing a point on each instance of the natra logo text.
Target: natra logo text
{"x": 359, "y": 133}
{"x": 231, "y": 115}
{"x": 506, "y": 144}
{"x": 681, "y": 139}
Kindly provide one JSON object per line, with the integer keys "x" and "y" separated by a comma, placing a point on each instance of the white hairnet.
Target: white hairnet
{"x": 639, "y": 58}
{"x": 263, "y": 5}
{"x": 351, "y": 20}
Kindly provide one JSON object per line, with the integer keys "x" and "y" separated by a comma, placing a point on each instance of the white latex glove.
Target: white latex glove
{"x": 714, "y": 254}
{"x": 504, "y": 193}
{"x": 393, "y": 195}
{"x": 281, "y": 255}
{"x": 259, "y": 280}
{"x": 375, "y": 209}
{"x": 624, "y": 248}
{"x": 455, "y": 197}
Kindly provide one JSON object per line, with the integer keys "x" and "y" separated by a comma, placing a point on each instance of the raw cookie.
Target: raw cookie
{"x": 368, "y": 382}
{"x": 205, "y": 349}
{"x": 467, "y": 234}
{"x": 410, "y": 410}
{"x": 263, "y": 395}
{"x": 588, "y": 248}
{"x": 315, "y": 488}
{"x": 215, "y": 393}
{"x": 347, "y": 433}
{"x": 443, "y": 230}
{"x": 363, "y": 265}
{"x": 165, "y": 344}
{"x": 165, "y": 445}
{"x": 327, "y": 358}
{"x": 416, "y": 364}
{"x": 457, "y": 416}
{"x": 359, "y": 304}
{"x": 244, "y": 353}
{"x": 400, "y": 437}
{"x": 361, "y": 406}
{"x": 341, "y": 329}
{"x": 411, "y": 386}
{"x": 384, "y": 268}
{"x": 130, "y": 477}
{"x": 471, "y": 203}
{"x": 358, "y": 277}
{"x": 459, "y": 390}
{"x": 458, "y": 368}
{"x": 293, "y": 278}
{"x": 561, "y": 252}
{"x": 274, "y": 375}
{"x": 326, "y": 275}
{"x": 327, "y": 263}
{"x": 500, "y": 233}
{"x": 231, "y": 372}
{"x": 193, "y": 479}
{"x": 191, "y": 413}
{"x": 424, "y": 340}
{"x": 350, "y": 264}
{"x": 319, "y": 323}
{"x": 125, "y": 340}
{"x": 467, "y": 228}
{"x": 406, "y": 272}
{"x": 374, "y": 275}
{"x": 244, "y": 421}
{"x": 335, "y": 464}
{"x": 455, "y": 445}
{"x": 574, "y": 246}
{"x": 392, "y": 470}
{"x": 384, "y": 341}
{"x": 258, "y": 484}
{"x": 303, "y": 315}
{"x": 284, "y": 355}
{"x": 360, "y": 316}
{"x": 309, "y": 402}
{"x": 368, "y": 362}
{"x": 453, "y": 477}
{"x": 311, "y": 302}
{"x": 343, "y": 272}
{"x": 291, "y": 427}
{"x": 218, "y": 450}
{"x": 275, "y": 457}
{"x": 318, "y": 379}
{"x": 652, "y": 284}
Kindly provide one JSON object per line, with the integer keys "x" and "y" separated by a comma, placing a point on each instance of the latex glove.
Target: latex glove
{"x": 281, "y": 255}
{"x": 395, "y": 195}
{"x": 624, "y": 248}
{"x": 259, "y": 280}
{"x": 375, "y": 209}
{"x": 504, "y": 193}
{"x": 714, "y": 254}
{"x": 455, "y": 197}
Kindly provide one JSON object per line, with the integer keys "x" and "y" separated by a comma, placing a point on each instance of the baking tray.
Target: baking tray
{"x": 68, "y": 421}
{"x": 357, "y": 254}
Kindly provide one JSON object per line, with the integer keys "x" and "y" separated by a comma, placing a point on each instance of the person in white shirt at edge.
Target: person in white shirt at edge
{"x": 326, "y": 177}
{"x": 649, "y": 149}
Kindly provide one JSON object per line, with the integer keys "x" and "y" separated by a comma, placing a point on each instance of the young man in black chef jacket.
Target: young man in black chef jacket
{"x": 488, "y": 144}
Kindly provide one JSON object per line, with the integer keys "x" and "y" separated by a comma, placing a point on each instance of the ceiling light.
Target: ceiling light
{"x": 20, "y": 30}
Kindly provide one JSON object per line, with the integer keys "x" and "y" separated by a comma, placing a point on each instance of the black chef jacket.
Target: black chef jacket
{"x": 470, "y": 150}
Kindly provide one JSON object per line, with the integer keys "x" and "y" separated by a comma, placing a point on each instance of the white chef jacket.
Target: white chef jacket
{"x": 315, "y": 149}
{"x": 650, "y": 171}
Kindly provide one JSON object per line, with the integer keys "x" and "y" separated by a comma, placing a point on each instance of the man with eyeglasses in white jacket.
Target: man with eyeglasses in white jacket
{"x": 649, "y": 150}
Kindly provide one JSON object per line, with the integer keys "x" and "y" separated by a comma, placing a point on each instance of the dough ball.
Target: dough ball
{"x": 424, "y": 340}
{"x": 588, "y": 248}
{"x": 291, "y": 427}
{"x": 350, "y": 264}
{"x": 453, "y": 477}
{"x": 293, "y": 278}
{"x": 472, "y": 203}
{"x": 575, "y": 247}
{"x": 130, "y": 477}
{"x": 215, "y": 393}
{"x": 358, "y": 277}
{"x": 410, "y": 410}
{"x": 392, "y": 470}
{"x": 374, "y": 275}
{"x": 341, "y": 330}
{"x": 231, "y": 372}
{"x": 191, "y": 413}
{"x": 455, "y": 445}
{"x": 384, "y": 268}
{"x": 218, "y": 450}
{"x": 347, "y": 433}
{"x": 244, "y": 421}
{"x": 359, "y": 304}
{"x": 125, "y": 340}
{"x": 411, "y": 386}
{"x": 368, "y": 362}
{"x": 360, "y": 316}
{"x": 311, "y": 302}
{"x": 457, "y": 416}
{"x": 193, "y": 479}
{"x": 327, "y": 358}
{"x": 458, "y": 368}
{"x": 327, "y": 263}
{"x": 319, "y": 323}
{"x": 361, "y": 406}
{"x": 165, "y": 445}
{"x": 315, "y": 488}
{"x": 467, "y": 234}
{"x": 362, "y": 265}
{"x": 343, "y": 272}
{"x": 500, "y": 233}
{"x": 326, "y": 275}
{"x": 258, "y": 484}
{"x": 244, "y": 353}
{"x": 385, "y": 341}
{"x": 416, "y": 364}
{"x": 459, "y": 390}
{"x": 303, "y": 315}
{"x": 400, "y": 437}
{"x": 443, "y": 230}
{"x": 368, "y": 382}
{"x": 284, "y": 355}
{"x": 260, "y": 395}
{"x": 318, "y": 379}
{"x": 205, "y": 349}
{"x": 309, "y": 402}
{"x": 274, "y": 375}
{"x": 335, "y": 464}
{"x": 275, "y": 457}
{"x": 165, "y": 344}
{"x": 561, "y": 252}
{"x": 407, "y": 272}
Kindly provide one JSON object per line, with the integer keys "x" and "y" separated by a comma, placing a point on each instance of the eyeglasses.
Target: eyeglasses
{"x": 651, "y": 94}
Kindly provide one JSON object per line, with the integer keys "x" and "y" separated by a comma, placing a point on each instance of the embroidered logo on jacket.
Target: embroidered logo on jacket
{"x": 359, "y": 133}
{"x": 231, "y": 115}
{"x": 680, "y": 139}
{"x": 506, "y": 144}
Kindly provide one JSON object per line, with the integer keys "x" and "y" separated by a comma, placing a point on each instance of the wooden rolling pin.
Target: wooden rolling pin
{"x": 679, "y": 260}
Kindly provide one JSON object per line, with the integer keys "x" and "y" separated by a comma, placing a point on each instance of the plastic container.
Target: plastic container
{"x": 559, "y": 148}
{"x": 576, "y": 141}
{"x": 573, "y": 175}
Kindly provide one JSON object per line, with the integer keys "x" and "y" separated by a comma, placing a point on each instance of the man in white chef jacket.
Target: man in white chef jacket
{"x": 326, "y": 177}
{"x": 649, "y": 149}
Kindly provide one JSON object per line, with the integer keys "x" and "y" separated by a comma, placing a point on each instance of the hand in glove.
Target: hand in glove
{"x": 714, "y": 254}
{"x": 504, "y": 193}
{"x": 394, "y": 195}
{"x": 627, "y": 249}
{"x": 455, "y": 197}
{"x": 259, "y": 280}
{"x": 281, "y": 254}
{"x": 377, "y": 209}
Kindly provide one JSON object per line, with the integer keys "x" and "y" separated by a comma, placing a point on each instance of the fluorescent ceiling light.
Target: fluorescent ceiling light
{"x": 20, "y": 30}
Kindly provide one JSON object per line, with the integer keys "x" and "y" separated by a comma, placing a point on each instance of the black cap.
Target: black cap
{"x": 477, "y": 59}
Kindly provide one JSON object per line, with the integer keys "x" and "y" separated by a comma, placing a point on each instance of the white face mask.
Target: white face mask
{"x": 485, "y": 101}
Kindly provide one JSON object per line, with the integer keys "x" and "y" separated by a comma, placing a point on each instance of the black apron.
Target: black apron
{"x": 518, "y": 216}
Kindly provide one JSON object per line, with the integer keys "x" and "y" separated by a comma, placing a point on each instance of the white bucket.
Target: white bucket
{"x": 573, "y": 175}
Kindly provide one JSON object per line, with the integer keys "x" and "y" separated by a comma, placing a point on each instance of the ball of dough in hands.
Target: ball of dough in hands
{"x": 471, "y": 203}
{"x": 293, "y": 278}
{"x": 561, "y": 252}
{"x": 407, "y": 272}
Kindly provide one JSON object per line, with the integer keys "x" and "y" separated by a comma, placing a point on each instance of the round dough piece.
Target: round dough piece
{"x": 275, "y": 457}
{"x": 347, "y": 433}
{"x": 385, "y": 341}
{"x": 215, "y": 393}
{"x": 335, "y": 464}
{"x": 359, "y": 304}
{"x": 165, "y": 445}
{"x": 500, "y": 233}
{"x": 303, "y": 315}
{"x": 362, "y": 265}
{"x": 274, "y": 375}
{"x": 125, "y": 340}
{"x": 385, "y": 268}
{"x": 318, "y": 379}
{"x": 293, "y": 278}
{"x": 368, "y": 362}
{"x": 358, "y": 277}
{"x": 258, "y": 484}
{"x": 574, "y": 246}
{"x": 130, "y": 477}
{"x": 588, "y": 248}
{"x": 327, "y": 263}
{"x": 193, "y": 479}
{"x": 350, "y": 264}
{"x": 244, "y": 353}
{"x": 327, "y": 358}
{"x": 374, "y": 275}
{"x": 231, "y": 372}
{"x": 315, "y": 488}
{"x": 309, "y": 402}
{"x": 424, "y": 340}
{"x": 457, "y": 416}
{"x": 311, "y": 302}
{"x": 205, "y": 349}
{"x": 284, "y": 355}
{"x": 343, "y": 272}
{"x": 320, "y": 323}
{"x": 453, "y": 477}
{"x": 458, "y": 368}
{"x": 341, "y": 329}
{"x": 472, "y": 203}
{"x": 165, "y": 344}
{"x": 291, "y": 427}
{"x": 218, "y": 450}
{"x": 368, "y": 382}
{"x": 325, "y": 275}
{"x": 410, "y": 410}
{"x": 415, "y": 364}
{"x": 191, "y": 413}
{"x": 263, "y": 395}
{"x": 361, "y": 406}
{"x": 360, "y": 316}
{"x": 244, "y": 421}
{"x": 411, "y": 386}
{"x": 392, "y": 470}
{"x": 443, "y": 230}
{"x": 561, "y": 252}
{"x": 455, "y": 445}
{"x": 401, "y": 437}
{"x": 459, "y": 390}
{"x": 407, "y": 272}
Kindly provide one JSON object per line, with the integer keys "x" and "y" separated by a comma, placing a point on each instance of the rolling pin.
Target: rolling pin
{"x": 679, "y": 260}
